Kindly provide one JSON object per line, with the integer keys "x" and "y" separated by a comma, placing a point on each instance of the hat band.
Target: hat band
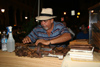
{"x": 46, "y": 15}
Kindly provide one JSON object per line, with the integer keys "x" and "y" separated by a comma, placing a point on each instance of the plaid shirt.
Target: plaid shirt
{"x": 39, "y": 33}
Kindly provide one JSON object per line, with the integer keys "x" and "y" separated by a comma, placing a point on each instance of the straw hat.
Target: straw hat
{"x": 46, "y": 13}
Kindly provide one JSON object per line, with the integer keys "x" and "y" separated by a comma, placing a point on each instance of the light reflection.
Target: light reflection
{"x": 77, "y": 16}
{"x": 2, "y": 10}
{"x": 92, "y": 11}
{"x": 78, "y": 13}
{"x": 26, "y": 17}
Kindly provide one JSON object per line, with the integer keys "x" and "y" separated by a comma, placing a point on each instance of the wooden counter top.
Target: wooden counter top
{"x": 11, "y": 60}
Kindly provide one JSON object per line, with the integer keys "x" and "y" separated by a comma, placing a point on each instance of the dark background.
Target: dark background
{"x": 16, "y": 9}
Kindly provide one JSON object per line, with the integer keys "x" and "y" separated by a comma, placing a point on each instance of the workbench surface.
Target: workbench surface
{"x": 8, "y": 59}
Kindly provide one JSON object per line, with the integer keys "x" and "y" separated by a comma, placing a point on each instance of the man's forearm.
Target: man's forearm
{"x": 63, "y": 38}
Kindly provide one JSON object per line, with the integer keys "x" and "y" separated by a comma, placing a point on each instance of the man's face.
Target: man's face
{"x": 83, "y": 28}
{"x": 46, "y": 24}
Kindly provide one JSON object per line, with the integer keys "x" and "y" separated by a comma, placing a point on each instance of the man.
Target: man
{"x": 49, "y": 32}
{"x": 84, "y": 34}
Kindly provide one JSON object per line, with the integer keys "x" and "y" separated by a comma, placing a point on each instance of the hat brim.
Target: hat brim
{"x": 44, "y": 17}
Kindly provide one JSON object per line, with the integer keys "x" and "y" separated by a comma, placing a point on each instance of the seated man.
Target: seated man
{"x": 49, "y": 32}
{"x": 84, "y": 34}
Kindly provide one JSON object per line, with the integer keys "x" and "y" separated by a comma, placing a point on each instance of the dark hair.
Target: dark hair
{"x": 84, "y": 25}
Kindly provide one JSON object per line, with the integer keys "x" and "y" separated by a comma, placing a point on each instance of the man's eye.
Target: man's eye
{"x": 45, "y": 20}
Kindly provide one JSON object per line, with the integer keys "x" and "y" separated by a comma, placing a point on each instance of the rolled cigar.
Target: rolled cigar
{"x": 80, "y": 46}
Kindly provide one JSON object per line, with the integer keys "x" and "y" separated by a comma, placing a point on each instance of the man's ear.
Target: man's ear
{"x": 52, "y": 20}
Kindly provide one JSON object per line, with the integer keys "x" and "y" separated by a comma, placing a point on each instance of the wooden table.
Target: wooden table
{"x": 11, "y": 60}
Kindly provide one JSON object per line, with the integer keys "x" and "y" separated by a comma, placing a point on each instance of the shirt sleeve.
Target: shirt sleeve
{"x": 33, "y": 35}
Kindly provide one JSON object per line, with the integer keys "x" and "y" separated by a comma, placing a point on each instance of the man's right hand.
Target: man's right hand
{"x": 26, "y": 40}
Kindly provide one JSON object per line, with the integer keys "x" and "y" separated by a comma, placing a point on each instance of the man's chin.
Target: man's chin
{"x": 46, "y": 28}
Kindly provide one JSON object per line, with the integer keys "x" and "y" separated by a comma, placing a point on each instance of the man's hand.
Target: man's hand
{"x": 26, "y": 40}
{"x": 44, "y": 42}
